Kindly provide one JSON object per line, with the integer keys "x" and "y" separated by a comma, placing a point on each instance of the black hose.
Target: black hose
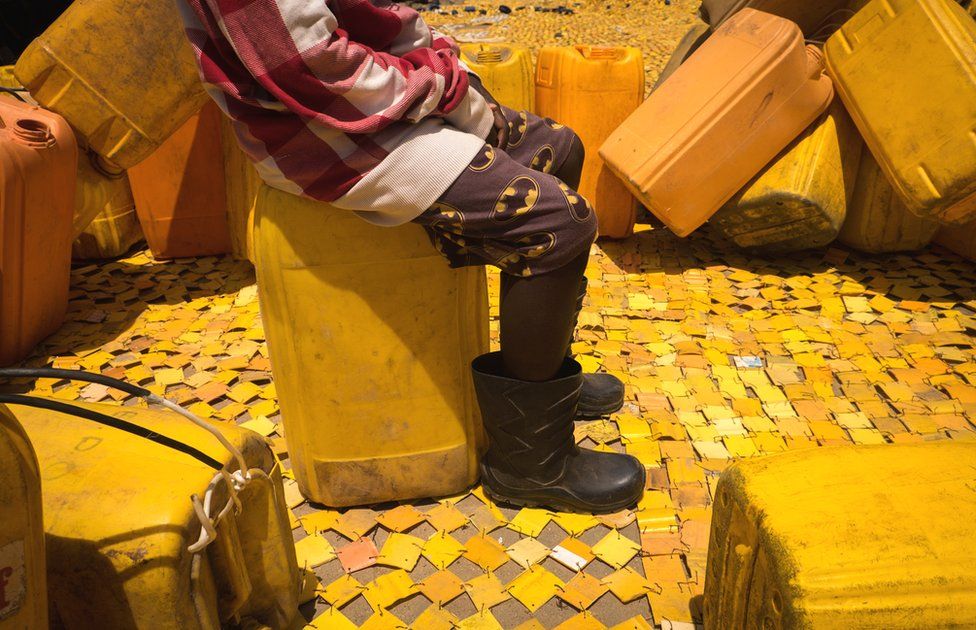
{"x": 76, "y": 375}
{"x": 116, "y": 423}
{"x": 14, "y": 93}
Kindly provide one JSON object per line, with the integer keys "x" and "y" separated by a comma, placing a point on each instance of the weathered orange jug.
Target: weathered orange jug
{"x": 750, "y": 90}
{"x": 179, "y": 191}
{"x": 38, "y": 162}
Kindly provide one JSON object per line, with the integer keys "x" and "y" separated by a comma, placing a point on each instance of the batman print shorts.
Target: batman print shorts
{"x": 507, "y": 209}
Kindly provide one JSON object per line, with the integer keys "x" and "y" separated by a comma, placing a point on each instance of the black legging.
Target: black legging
{"x": 537, "y": 314}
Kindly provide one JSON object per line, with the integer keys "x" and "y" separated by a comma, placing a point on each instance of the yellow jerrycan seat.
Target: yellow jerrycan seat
{"x": 126, "y": 544}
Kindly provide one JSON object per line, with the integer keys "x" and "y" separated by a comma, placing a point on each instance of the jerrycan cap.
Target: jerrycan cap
{"x": 33, "y": 132}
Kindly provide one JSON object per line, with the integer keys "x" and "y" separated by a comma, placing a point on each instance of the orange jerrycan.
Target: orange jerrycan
{"x": 120, "y": 71}
{"x": 690, "y": 42}
{"x": 592, "y": 90}
{"x": 877, "y": 220}
{"x": 750, "y": 90}
{"x": 922, "y": 132}
{"x": 813, "y": 17}
{"x": 800, "y": 200}
{"x": 180, "y": 193}
{"x": 125, "y": 544}
{"x": 38, "y": 162}
{"x": 23, "y": 584}
{"x": 242, "y": 185}
{"x": 371, "y": 337}
{"x": 850, "y": 537}
{"x": 506, "y": 71}
{"x": 959, "y": 239}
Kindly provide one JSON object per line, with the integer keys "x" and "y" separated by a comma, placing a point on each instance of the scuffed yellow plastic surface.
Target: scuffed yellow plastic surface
{"x": 371, "y": 336}
{"x": 242, "y": 183}
{"x": 506, "y": 71}
{"x": 121, "y": 72}
{"x": 866, "y": 537}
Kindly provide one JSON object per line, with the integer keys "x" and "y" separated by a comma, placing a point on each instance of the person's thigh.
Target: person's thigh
{"x": 538, "y": 143}
{"x": 502, "y": 213}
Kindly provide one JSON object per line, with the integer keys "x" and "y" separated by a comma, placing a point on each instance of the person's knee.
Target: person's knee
{"x": 572, "y": 167}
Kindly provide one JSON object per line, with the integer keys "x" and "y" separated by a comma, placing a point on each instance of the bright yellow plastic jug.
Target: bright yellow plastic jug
{"x": 113, "y": 231}
{"x": 242, "y": 183}
{"x": 906, "y": 70}
{"x": 800, "y": 200}
{"x": 23, "y": 587}
{"x": 7, "y": 78}
{"x": 877, "y": 220}
{"x": 119, "y": 521}
{"x": 850, "y": 537}
{"x": 371, "y": 337}
{"x": 121, "y": 72}
{"x": 97, "y": 189}
{"x": 506, "y": 71}
{"x": 592, "y": 90}
{"x": 959, "y": 239}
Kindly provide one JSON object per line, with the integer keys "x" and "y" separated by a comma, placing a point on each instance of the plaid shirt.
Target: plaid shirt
{"x": 323, "y": 91}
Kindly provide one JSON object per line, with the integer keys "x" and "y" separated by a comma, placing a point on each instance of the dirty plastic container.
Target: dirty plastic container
{"x": 505, "y": 70}
{"x": 120, "y": 71}
{"x": 242, "y": 184}
{"x": 800, "y": 200}
{"x": 23, "y": 584}
{"x": 959, "y": 239}
{"x": 371, "y": 338}
{"x": 7, "y": 78}
{"x": 592, "y": 89}
{"x": 848, "y": 537}
{"x": 115, "y": 229}
{"x": 119, "y": 520}
{"x": 38, "y": 163}
{"x": 877, "y": 220}
{"x": 690, "y": 42}
{"x": 748, "y": 92}
{"x": 180, "y": 192}
{"x": 814, "y": 17}
{"x": 922, "y": 132}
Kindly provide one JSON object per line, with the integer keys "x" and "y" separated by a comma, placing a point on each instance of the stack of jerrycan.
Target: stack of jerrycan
{"x": 38, "y": 161}
{"x": 506, "y": 71}
{"x": 847, "y": 537}
{"x": 23, "y": 587}
{"x": 800, "y": 200}
{"x": 104, "y": 194}
{"x": 592, "y": 90}
{"x": 122, "y": 533}
{"x": 920, "y": 133}
{"x": 371, "y": 338}
{"x": 755, "y": 74}
{"x": 179, "y": 190}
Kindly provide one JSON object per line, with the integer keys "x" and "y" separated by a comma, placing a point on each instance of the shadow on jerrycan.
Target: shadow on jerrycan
{"x": 371, "y": 337}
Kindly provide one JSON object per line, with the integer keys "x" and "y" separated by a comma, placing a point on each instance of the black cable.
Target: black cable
{"x": 76, "y": 375}
{"x": 14, "y": 93}
{"x": 116, "y": 423}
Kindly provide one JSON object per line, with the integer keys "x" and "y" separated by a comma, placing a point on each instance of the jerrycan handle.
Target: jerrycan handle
{"x": 488, "y": 55}
{"x": 815, "y": 61}
{"x": 599, "y": 53}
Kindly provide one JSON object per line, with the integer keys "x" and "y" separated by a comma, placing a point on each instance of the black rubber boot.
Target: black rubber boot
{"x": 532, "y": 457}
{"x": 602, "y": 394}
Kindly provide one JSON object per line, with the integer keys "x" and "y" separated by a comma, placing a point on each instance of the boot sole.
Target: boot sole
{"x": 583, "y": 411}
{"x": 530, "y": 501}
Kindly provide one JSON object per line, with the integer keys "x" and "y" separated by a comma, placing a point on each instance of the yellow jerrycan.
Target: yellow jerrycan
{"x": 371, "y": 337}
{"x": 959, "y": 239}
{"x": 505, "y": 70}
{"x": 592, "y": 90}
{"x": 121, "y": 72}
{"x": 128, "y": 547}
{"x": 242, "y": 183}
{"x": 850, "y": 537}
{"x": 98, "y": 188}
{"x": 800, "y": 200}
{"x": 922, "y": 132}
{"x": 114, "y": 230}
{"x": 877, "y": 220}
{"x": 23, "y": 588}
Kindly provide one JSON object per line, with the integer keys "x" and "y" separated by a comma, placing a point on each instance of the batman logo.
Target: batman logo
{"x": 536, "y": 245}
{"x": 554, "y": 125}
{"x": 484, "y": 159}
{"x": 448, "y": 218}
{"x": 518, "y": 198}
{"x": 518, "y": 130}
{"x": 579, "y": 207}
{"x": 544, "y": 159}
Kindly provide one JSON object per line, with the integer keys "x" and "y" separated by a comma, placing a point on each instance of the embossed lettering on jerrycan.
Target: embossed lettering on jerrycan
{"x": 750, "y": 90}
{"x": 119, "y": 521}
{"x": 906, "y": 70}
{"x": 180, "y": 194}
{"x": 592, "y": 90}
{"x": 38, "y": 162}
{"x": 849, "y": 537}
{"x": 120, "y": 71}
{"x": 877, "y": 220}
{"x": 506, "y": 71}
{"x": 371, "y": 337}
{"x": 800, "y": 200}
{"x": 23, "y": 584}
